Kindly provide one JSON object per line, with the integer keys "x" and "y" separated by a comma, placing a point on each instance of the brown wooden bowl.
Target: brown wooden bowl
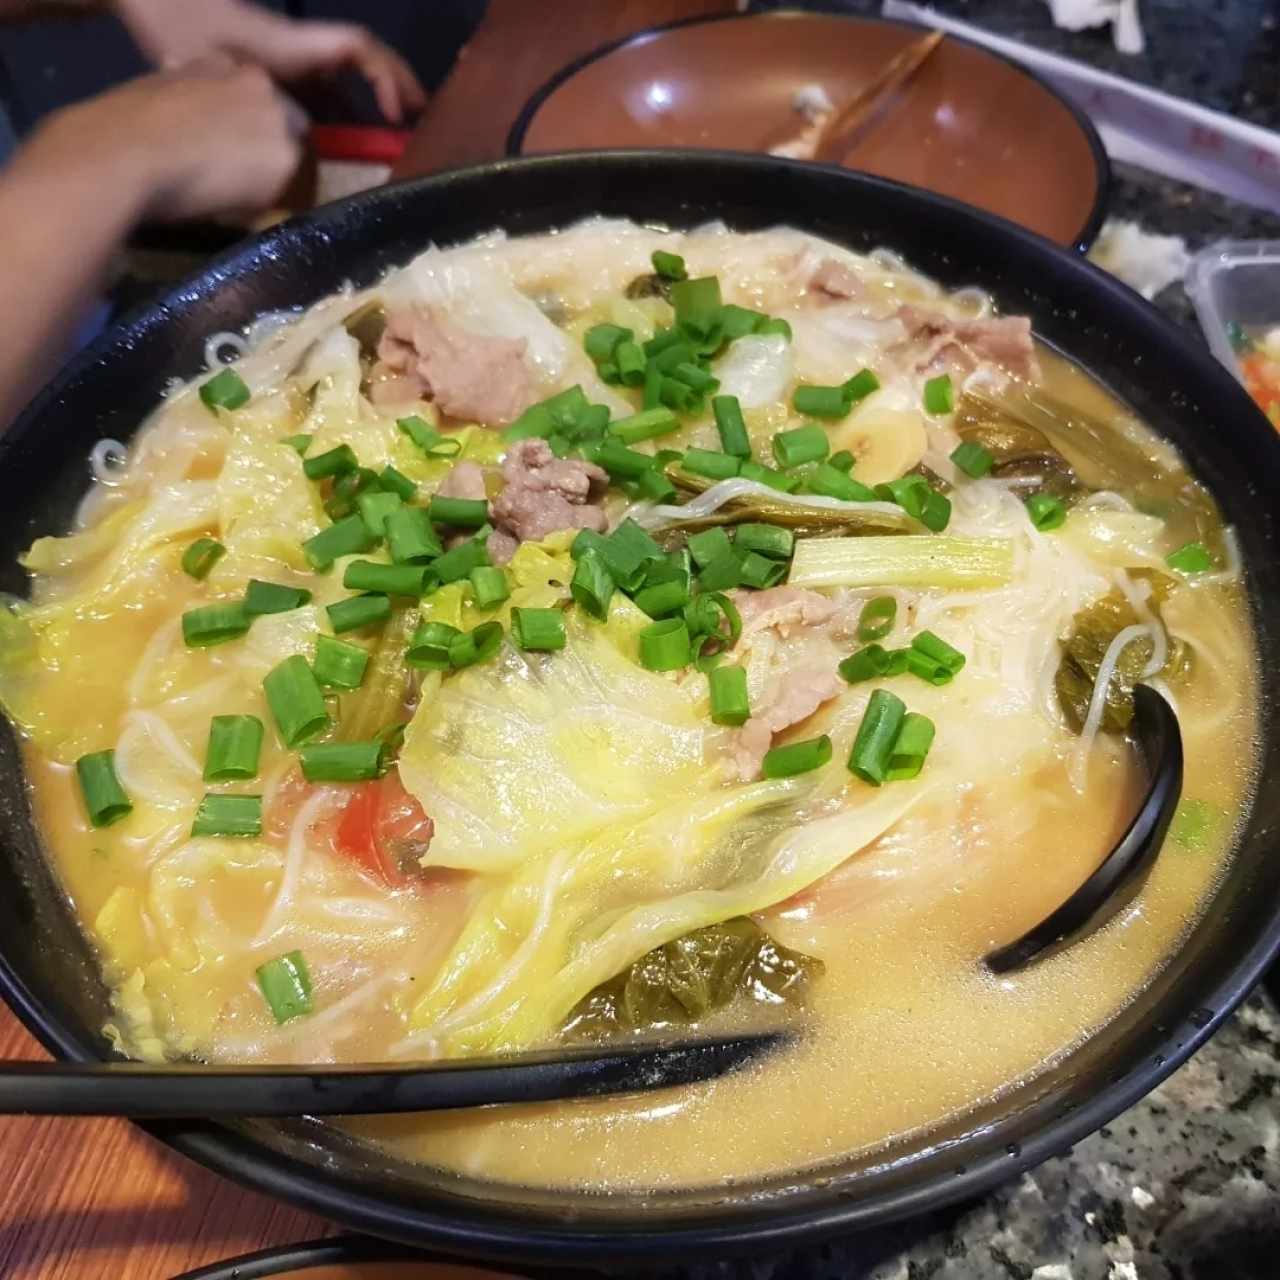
{"x": 969, "y": 124}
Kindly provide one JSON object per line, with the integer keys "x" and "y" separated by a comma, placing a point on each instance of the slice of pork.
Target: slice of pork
{"x": 965, "y": 344}
{"x": 836, "y": 280}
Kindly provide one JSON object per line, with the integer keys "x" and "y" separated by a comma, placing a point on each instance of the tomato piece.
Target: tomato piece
{"x": 402, "y": 822}
{"x": 356, "y": 836}
{"x": 383, "y": 829}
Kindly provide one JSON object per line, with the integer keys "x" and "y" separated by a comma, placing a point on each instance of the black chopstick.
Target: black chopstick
{"x": 179, "y": 1090}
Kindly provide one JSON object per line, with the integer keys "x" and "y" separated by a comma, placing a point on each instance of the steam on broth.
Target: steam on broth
{"x": 629, "y": 631}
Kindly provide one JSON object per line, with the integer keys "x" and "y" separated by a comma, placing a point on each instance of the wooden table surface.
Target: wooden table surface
{"x": 87, "y": 1199}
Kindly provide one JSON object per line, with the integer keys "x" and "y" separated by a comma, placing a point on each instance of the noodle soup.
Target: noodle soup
{"x": 620, "y": 633}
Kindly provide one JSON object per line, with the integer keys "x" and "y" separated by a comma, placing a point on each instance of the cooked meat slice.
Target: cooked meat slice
{"x": 1003, "y": 340}
{"x": 794, "y": 697}
{"x": 837, "y": 280}
{"x": 543, "y": 493}
{"x": 783, "y": 607}
{"x": 469, "y": 375}
{"x": 465, "y": 480}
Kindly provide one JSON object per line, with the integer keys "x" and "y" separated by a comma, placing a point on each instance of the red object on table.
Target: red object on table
{"x": 370, "y": 143}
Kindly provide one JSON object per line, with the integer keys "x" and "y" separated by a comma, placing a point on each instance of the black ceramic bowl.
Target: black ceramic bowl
{"x": 1169, "y": 380}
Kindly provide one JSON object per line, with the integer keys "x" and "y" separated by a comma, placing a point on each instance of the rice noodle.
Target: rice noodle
{"x": 312, "y": 810}
{"x": 158, "y": 648}
{"x": 1137, "y": 594}
{"x": 1232, "y": 570}
{"x": 1106, "y": 500}
{"x": 216, "y": 344}
{"x": 108, "y": 460}
{"x": 1098, "y": 702}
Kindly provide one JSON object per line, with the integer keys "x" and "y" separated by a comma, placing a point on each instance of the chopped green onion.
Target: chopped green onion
{"x": 703, "y": 616}
{"x": 877, "y": 618}
{"x": 731, "y": 425}
{"x": 729, "y": 703}
{"x": 299, "y": 443}
{"x": 592, "y": 585}
{"x": 645, "y": 425}
{"x": 601, "y": 340}
{"x": 591, "y": 423}
{"x": 625, "y": 552}
{"x": 631, "y": 363}
{"x": 104, "y": 797}
{"x": 939, "y": 651}
{"x": 670, "y": 266}
{"x": 706, "y": 546}
{"x": 201, "y": 556}
{"x": 296, "y": 703}
{"x": 804, "y": 444}
{"x": 235, "y": 744}
{"x": 860, "y": 386}
{"x": 755, "y": 570}
{"x": 873, "y": 746}
{"x": 767, "y": 539}
{"x": 397, "y": 482}
{"x": 386, "y": 579}
{"x": 559, "y": 412}
{"x": 339, "y": 665}
{"x": 348, "y": 537}
{"x": 1047, "y": 512}
{"x": 910, "y": 492}
{"x": 928, "y": 669}
{"x": 678, "y": 396}
{"x": 286, "y": 986}
{"x": 429, "y": 648}
{"x": 656, "y": 486}
{"x": 737, "y": 322}
{"x": 873, "y": 663}
{"x": 341, "y": 761}
{"x": 696, "y": 377}
{"x": 697, "y": 305}
{"x": 333, "y": 462}
{"x": 935, "y": 515}
{"x": 489, "y": 586}
{"x": 375, "y": 508}
{"x": 215, "y": 624}
{"x": 829, "y": 481}
{"x": 237, "y": 817}
{"x": 671, "y": 356}
{"x": 842, "y": 461}
{"x": 538, "y": 630}
{"x": 358, "y": 611}
{"x": 768, "y": 476}
{"x": 665, "y": 646}
{"x": 458, "y": 513}
{"x": 458, "y": 562}
{"x": 912, "y": 746}
{"x": 939, "y": 395}
{"x": 796, "y": 758}
{"x": 821, "y": 402}
{"x": 664, "y": 594}
{"x": 428, "y": 439}
{"x": 723, "y": 573}
{"x": 477, "y": 645}
{"x": 652, "y": 386}
{"x": 410, "y": 536}
{"x": 342, "y": 499}
{"x": 225, "y": 390}
{"x": 710, "y": 463}
{"x": 662, "y": 340}
{"x": 622, "y": 463}
{"x": 1191, "y": 557}
{"x": 769, "y": 325}
{"x": 272, "y": 597}
{"x": 973, "y": 459}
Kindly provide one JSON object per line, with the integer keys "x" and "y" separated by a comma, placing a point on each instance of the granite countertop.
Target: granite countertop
{"x": 1186, "y": 1184}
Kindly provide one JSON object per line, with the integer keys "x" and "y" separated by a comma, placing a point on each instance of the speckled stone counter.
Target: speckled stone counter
{"x": 1185, "y": 1185}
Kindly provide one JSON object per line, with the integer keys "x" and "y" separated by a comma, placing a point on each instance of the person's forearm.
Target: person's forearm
{"x": 62, "y": 218}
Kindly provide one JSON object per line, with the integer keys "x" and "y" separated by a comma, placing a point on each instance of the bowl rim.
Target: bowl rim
{"x": 1083, "y": 239}
{"x": 776, "y": 1222}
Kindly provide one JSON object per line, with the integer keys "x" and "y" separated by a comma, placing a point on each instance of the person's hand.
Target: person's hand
{"x": 171, "y": 32}
{"x": 210, "y": 138}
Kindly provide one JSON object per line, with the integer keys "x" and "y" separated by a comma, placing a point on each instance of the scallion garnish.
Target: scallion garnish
{"x": 769, "y": 325}
{"x": 842, "y": 461}
{"x": 397, "y": 482}
{"x": 296, "y": 702}
{"x": 601, "y": 340}
{"x": 477, "y": 645}
{"x": 215, "y": 624}
{"x": 1047, "y": 512}
{"x": 656, "y": 486}
{"x": 333, "y": 462}
{"x": 489, "y": 586}
{"x": 766, "y": 539}
{"x": 697, "y": 305}
{"x": 710, "y": 463}
{"x": 286, "y": 986}
{"x": 538, "y": 630}
{"x": 273, "y": 597}
{"x": 104, "y": 797}
{"x": 341, "y": 761}
{"x": 722, "y": 573}
{"x": 973, "y": 459}
{"x": 458, "y": 513}
{"x": 768, "y": 476}
{"x": 912, "y": 746}
{"x": 630, "y": 361}
{"x": 755, "y": 570}
{"x": 346, "y": 491}
{"x": 731, "y": 425}
{"x": 622, "y": 463}
{"x": 339, "y": 665}
{"x": 706, "y": 546}
{"x": 458, "y": 562}
{"x": 645, "y": 425}
{"x": 665, "y": 591}
{"x": 235, "y": 744}
{"x": 665, "y": 646}
{"x": 939, "y": 395}
{"x": 796, "y": 757}
{"x": 225, "y": 390}
{"x": 428, "y": 439}
{"x": 385, "y": 579}
{"x": 802, "y": 445}
{"x": 374, "y": 509}
{"x": 737, "y": 322}
{"x": 557, "y": 413}
{"x": 860, "y": 386}
{"x": 410, "y": 536}
{"x": 200, "y": 557}
{"x": 670, "y": 266}
{"x": 692, "y": 375}
{"x": 592, "y": 585}
{"x": 821, "y": 402}
{"x": 873, "y": 663}
{"x": 679, "y": 396}
{"x": 237, "y": 817}
{"x": 877, "y": 734}
{"x": 877, "y": 618}
{"x": 1191, "y": 557}
{"x": 429, "y": 648}
{"x": 935, "y": 514}
{"x": 829, "y": 481}
{"x": 940, "y": 651}
{"x": 356, "y": 612}
{"x": 347, "y": 537}
{"x": 730, "y": 705}
{"x": 299, "y": 443}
